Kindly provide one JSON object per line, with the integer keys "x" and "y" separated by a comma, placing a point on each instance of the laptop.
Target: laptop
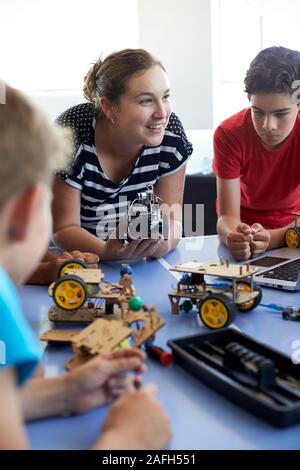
{"x": 280, "y": 268}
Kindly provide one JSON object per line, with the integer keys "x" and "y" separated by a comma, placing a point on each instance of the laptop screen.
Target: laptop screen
{"x": 268, "y": 261}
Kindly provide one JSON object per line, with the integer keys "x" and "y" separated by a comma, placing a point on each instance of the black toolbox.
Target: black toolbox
{"x": 249, "y": 373}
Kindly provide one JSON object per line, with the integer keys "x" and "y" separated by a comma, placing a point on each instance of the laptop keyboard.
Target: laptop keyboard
{"x": 287, "y": 272}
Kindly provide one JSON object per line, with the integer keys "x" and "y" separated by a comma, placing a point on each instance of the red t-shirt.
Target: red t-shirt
{"x": 270, "y": 179}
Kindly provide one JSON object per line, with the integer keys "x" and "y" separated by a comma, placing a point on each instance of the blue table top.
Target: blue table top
{"x": 201, "y": 418}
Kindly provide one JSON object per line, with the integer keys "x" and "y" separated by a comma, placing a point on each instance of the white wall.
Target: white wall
{"x": 50, "y": 44}
{"x": 178, "y": 32}
{"x": 56, "y": 102}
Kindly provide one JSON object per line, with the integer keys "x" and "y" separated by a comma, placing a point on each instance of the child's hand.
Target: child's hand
{"x": 162, "y": 248}
{"x": 117, "y": 249}
{"x": 134, "y": 250}
{"x": 102, "y": 379}
{"x": 90, "y": 259}
{"x": 238, "y": 242}
{"x": 47, "y": 271}
{"x": 136, "y": 421}
{"x": 261, "y": 240}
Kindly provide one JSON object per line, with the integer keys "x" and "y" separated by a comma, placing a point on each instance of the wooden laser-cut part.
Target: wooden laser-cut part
{"x": 175, "y": 297}
{"x": 110, "y": 289}
{"x": 152, "y": 322}
{"x": 77, "y": 361}
{"x": 128, "y": 288}
{"x": 59, "y": 336}
{"x": 102, "y": 298}
{"x": 215, "y": 269}
{"x": 216, "y": 300}
{"x": 83, "y": 315}
{"x": 104, "y": 334}
{"x": 101, "y": 336}
{"x": 90, "y": 276}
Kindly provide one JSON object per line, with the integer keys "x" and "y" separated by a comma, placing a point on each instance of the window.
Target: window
{"x": 50, "y": 44}
{"x": 241, "y": 28}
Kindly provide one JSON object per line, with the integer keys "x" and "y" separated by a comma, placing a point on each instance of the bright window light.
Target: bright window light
{"x": 241, "y": 28}
{"x": 50, "y": 44}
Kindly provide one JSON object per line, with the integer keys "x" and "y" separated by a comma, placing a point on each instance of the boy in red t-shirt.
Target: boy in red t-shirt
{"x": 257, "y": 158}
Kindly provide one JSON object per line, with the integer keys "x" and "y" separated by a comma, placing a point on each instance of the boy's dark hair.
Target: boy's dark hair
{"x": 273, "y": 71}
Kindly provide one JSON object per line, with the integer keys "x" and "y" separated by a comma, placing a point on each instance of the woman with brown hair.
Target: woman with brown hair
{"x": 126, "y": 138}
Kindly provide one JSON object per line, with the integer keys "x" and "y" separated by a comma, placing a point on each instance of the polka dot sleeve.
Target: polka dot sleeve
{"x": 79, "y": 119}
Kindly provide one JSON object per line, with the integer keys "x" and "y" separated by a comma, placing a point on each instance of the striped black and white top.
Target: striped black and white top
{"x": 102, "y": 201}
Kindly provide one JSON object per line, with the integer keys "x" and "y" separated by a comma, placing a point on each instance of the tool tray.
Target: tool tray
{"x": 249, "y": 373}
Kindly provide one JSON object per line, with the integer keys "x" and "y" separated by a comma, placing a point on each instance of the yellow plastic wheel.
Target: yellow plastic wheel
{"x": 292, "y": 237}
{"x": 216, "y": 311}
{"x": 70, "y": 292}
{"x": 244, "y": 286}
{"x": 71, "y": 263}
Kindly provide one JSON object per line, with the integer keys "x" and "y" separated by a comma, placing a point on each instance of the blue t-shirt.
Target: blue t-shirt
{"x": 18, "y": 346}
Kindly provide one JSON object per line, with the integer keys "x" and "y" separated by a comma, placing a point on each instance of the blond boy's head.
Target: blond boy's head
{"x": 31, "y": 149}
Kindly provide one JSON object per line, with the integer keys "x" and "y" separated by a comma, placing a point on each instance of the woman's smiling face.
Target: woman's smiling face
{"x": 144, "y": 109}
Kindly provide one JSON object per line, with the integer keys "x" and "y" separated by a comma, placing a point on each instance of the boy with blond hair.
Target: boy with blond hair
{"x": 31, "y": 149}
